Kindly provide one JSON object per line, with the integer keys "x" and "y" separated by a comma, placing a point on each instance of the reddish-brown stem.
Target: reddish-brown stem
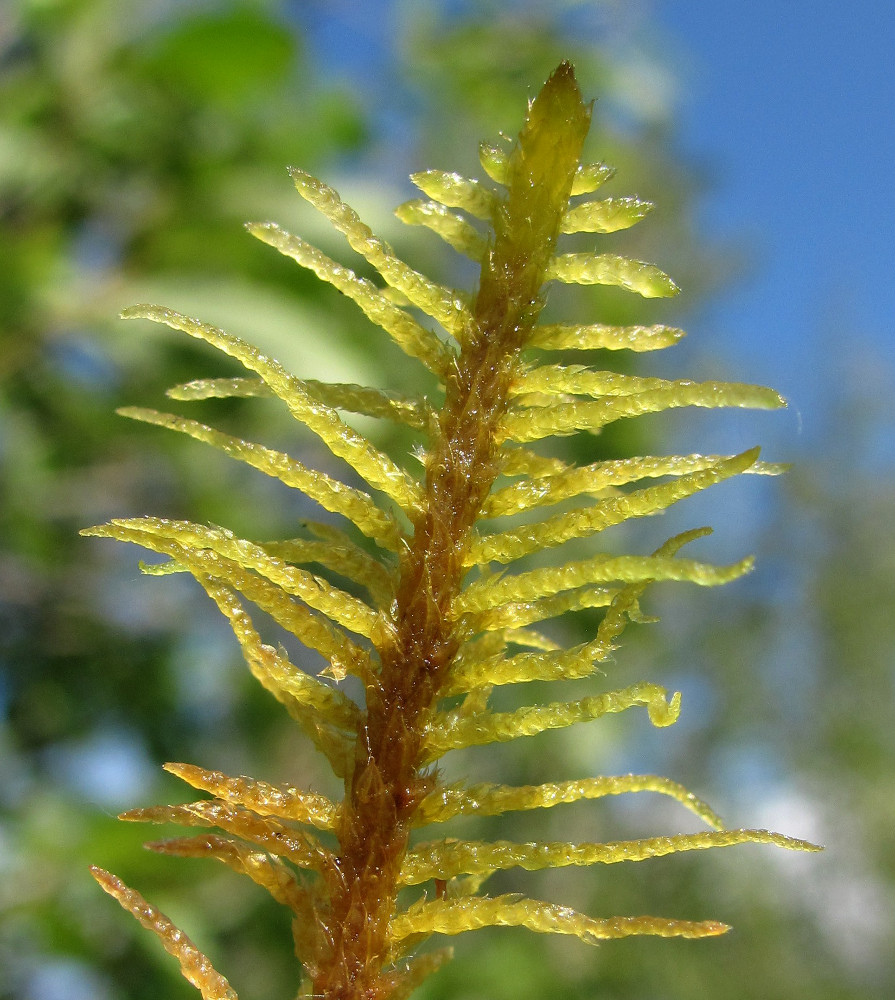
{"x": 388, "y": 783}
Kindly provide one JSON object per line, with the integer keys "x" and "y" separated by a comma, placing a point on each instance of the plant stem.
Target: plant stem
{"x": 388, "y": 782}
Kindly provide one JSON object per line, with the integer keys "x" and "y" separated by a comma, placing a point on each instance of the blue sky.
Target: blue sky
{"x": 793, "y": 106}
{"x": 789, "y": 110}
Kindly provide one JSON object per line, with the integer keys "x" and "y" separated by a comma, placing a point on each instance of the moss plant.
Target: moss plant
{"x": 447, "y": 614}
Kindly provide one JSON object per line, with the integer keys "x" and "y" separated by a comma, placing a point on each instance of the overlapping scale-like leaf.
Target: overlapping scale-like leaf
{"x": 262, "y": 867}
{"x": 407, "y": 410}
{"x": 456, "y": 191}
{"x": 493, "y": 800}
{"x": 450, "y": 226}
{"x": 333, "y": 550}
{"x": 608, "y": 215}
{"x": 453, "y": 730}
{"x": 537, "y": 583}
{"x": 370, "y": 463}
{"x": 526, "y": 424}
{"x": 537, "y": 665}
{"x": 378, "y": 403}
{"x": 516, "y": 461}
{"x": 443, "y": 304}
{"x": 413, "y": 338}
{"x": 331, "y": 494}
{"x": 455, "y": 916}
{"x": 577, "y": 380}
{"x": 283, "y": 680}
{"x": 447, "y": 858}
{"x": 198, "y": 545}
{"x": 548, "y": 661}
{"x": 405, "y": 976}
{"x": 314, "y": 630}
{"x": 594, "y": 336}
{"x": 518, "y": 614}
{"x": 195, "y": 967}
{"x": 220, "y": 388}
{"x": 266, "y": 870}
{"x": 302, "y": 849}
{"x": 595, "y": 479}
{"x": 494, "y": 160}
{"x": 321, "y": 712}
{"x": 590, "y": 176}
{"x": 261, "y": 797}
{"x": 506, "y": 546}
{"x": 610, "y": 269}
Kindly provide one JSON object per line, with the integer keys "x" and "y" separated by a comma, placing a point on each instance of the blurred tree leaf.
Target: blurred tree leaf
{"x": 225, "y": 58}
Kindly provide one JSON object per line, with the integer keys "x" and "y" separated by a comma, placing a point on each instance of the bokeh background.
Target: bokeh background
{"x": 135, "y": 138}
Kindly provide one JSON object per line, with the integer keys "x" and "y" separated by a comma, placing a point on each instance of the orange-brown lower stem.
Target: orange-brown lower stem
{"x": 388, "y": 782}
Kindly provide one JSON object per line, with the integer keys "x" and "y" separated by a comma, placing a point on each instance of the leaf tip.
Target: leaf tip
{"x": 664, "y": 713}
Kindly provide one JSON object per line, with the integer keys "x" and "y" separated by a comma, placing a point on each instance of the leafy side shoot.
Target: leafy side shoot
{"x": 441, "y": 560}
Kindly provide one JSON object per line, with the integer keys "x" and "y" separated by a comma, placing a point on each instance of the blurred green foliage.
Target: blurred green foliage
{"x": 135, "y": 138}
